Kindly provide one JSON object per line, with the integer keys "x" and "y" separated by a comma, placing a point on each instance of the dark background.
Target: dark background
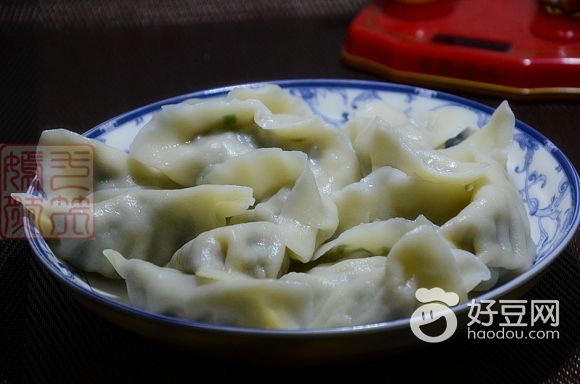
{"x": 73, "y": 64}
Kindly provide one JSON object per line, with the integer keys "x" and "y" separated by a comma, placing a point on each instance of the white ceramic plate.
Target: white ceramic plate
{"x": 547, "y": 182}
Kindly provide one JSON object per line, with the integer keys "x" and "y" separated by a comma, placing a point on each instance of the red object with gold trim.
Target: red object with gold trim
{"x": 514, "y": 47}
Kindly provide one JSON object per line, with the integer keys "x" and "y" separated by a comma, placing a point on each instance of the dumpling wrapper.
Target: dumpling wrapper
{"x": 424, "y": 259}
{"x": 174, "y": 141}
{"x": 249, "y": 250}
{"x": 382, "y": 145}
{"x": 388, "y": 193}
{"x": 252, "y": 303}
{"x": 431, "y": 128}
{"x": 265, "y": 170}
{"x": 381, "y": 237}
{"x": 368, "y": 239}
{"x": 111, "y": 169}
{"x": 142, "y": 224}
{"x": 307, "y": 217}
{"x": 495, "y": 227}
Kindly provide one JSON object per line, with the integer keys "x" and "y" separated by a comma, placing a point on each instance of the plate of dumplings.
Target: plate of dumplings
{"x": 301, "y": 217}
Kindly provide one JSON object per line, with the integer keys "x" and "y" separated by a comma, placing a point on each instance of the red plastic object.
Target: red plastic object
{"x": 509, "y": 47}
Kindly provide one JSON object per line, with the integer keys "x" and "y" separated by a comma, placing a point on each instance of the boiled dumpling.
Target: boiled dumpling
{"x": 307, "y": 216}
{"x": 183, "y": 140}
{"x": 331, "y": 284}
{"x": 253, "y": 303}
{"x": 492, "y": 140}
{"x": 495, "y": 227}
{"x": 495, "y": 224}
{"x": 143, "y": 224}
{"x": 388, "y": 192}
{"x": 369, "y": 239}
{"x": 107, "y": 168}
{"x": 447, "y": 125}
{"x": 381, "y": 145}
{"x": 276, "y": 100}
{"x": 330, "y": 154}
{"x": 432, "y": 129}
{"x": 265, "y": 170}
{"x": 249, "y": 250}
{"x": 382, "y": 238}
{"x": 422, "y": 258}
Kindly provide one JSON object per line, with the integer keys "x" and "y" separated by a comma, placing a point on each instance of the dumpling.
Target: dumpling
{"x": 430, "y": 128}
{"x": 330, "y": 154}
{"x": 249, "y": 250}
{"x": 106, "y": 168}
{"x": 307, "y": 216}
{"x": 495, "y": 227}
{"x": 183, "y": 140}
{"x": 142, "y": 224}
{"x": 252, "y": 303}
{"x": 388, "y": 192}
{"x": 369, "y": 239}
{"x": 437, "y": 128}
{"x": 265, "y": 170}
{"x": 384, "y": 287}
{"x": 495, "y": 224}
{"x": 447, "y": 125}
{"x": 383, "y": 237}
{"x": 363, "y": 279}
{"x": 381, "y": 145}
{"x": 272, "y": 96}
{"x": 110, "y": 165}
{"x": 422, "y": 258}
{"x": 491, "y": 141}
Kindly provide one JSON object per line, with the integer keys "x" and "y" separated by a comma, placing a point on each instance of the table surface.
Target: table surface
{"x": 73, "y": 64}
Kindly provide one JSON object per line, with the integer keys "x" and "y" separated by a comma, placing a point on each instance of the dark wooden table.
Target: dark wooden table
{"x": 73, "y": 64}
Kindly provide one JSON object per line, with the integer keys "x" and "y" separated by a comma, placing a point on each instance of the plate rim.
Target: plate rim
{"x": 386, "y": 326}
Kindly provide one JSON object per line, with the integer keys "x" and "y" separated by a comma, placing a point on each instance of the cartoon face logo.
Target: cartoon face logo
{"x": 433, "y": 310}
